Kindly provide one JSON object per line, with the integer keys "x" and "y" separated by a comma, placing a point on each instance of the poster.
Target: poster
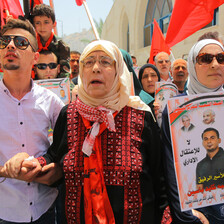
{"x": 60, "y": 86}
{"x": 163, "y": 92}
{"x": 195, "y": 122}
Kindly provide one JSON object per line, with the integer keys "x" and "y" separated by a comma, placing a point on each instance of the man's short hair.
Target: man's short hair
{"x": 210, "y": 35}
{"x": 75, "y": 52}
{"x": 185, "y": 116}
{"x": 43, "y": 10}
{"x": 21, "y": 24}
{"x": 210, "y": 129}
{"x": 47, "y": 52}
{"x": 156, "y": 57}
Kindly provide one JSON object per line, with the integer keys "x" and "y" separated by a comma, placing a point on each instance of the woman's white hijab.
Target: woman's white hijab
{"x": 194, "y": 86}
{"x": 119, "y": 96}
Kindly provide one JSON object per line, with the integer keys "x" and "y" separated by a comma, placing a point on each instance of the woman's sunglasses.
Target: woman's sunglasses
{"x": 43, "y": 66}
{"x": 20, "y": 42}
{"x": 205, "y": 59}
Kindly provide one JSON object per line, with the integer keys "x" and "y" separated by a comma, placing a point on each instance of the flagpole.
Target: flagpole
{"x": 52, "y": 6}
{"x": 91, "y": 20}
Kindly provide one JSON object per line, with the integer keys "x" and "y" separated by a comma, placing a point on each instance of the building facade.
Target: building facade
{"x": 129, "y": 25}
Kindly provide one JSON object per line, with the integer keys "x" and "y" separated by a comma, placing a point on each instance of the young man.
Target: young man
{"x": 74, "y": 64}
{"x": 43, "y": 18}
{"x": 212, "y": 165}
{"x": 47, "y": 66}
{"x": 27, "y": 110}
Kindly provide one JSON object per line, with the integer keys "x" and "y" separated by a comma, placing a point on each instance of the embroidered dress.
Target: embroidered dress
{"x": 131, "y": 165}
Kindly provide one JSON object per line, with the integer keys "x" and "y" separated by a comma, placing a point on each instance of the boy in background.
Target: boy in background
{"x": 43, "y": 19}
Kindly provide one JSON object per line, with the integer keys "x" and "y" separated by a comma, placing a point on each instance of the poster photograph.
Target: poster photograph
{"x": 197, "y": 134}
{"x": 59, "y": 86}
{"x": 163, "y": 92}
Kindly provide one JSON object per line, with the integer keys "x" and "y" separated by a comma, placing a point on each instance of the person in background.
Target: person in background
{"x": 74, "y": 64}
{"x": 27, "y": 111}
{"x": 148, "y": 76}
{"x": 206, "y": 72}
{"x": 43, "y": 19}
{"x": 180, "y": 74}
{"x": 135, "y": 66}
{"x": 211, "y": 35}
{"x": 163, "y": 64}
{"x": 109, "y": 144}
{"x": 134, "y": 60}
{"x": 47, "y": 66}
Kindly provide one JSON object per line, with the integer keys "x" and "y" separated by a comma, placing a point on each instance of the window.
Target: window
{"x": 161, "y": 11}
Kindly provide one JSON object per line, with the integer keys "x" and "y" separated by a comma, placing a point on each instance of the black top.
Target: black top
{"x": 208, "y": 170}
{"x": 152, "y": 187}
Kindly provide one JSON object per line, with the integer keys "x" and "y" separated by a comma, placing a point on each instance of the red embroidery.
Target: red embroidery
{"x": 122, "y": 161}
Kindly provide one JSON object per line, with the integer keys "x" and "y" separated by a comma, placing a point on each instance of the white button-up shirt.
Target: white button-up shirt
{"x": 24, "y": 127}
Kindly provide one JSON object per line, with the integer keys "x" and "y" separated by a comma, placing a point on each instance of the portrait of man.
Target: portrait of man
{"x": 208, "y": 116}
{"x": 210, "y": 170}
{"x": 187, "y": 125}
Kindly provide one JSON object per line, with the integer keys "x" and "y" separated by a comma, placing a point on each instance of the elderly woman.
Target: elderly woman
{"x": 206, "y": 72}
{"x": 109, "y": 145}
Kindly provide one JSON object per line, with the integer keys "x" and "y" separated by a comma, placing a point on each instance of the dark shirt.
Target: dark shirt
{"x": 210, "y": 168}
{"x": 152, "y": 187}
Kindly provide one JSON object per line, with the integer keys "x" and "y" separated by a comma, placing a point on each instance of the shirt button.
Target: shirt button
{"x": 5, "y": 90}
{"x": 21, "y": 123}
{"x": 19, "y": 104}
{"x": 28, "y": 184}
{"x": 23, "y": 145}
{"x": 31, "y": 203}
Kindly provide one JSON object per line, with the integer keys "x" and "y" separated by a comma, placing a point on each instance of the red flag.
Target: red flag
{"x": 189, "y": 16}
{"x": 10, "y": 7}
{"x": 36, "y": 2}
{"x": 79, "y": 2}
{"x": 158, "y": 43}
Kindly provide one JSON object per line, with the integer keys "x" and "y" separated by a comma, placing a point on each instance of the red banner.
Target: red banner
{"x": 188, "y": 17}
{"x": 79, "y": 2}
{"x": 158, "y": 43}
{"x": 10, "y": 7}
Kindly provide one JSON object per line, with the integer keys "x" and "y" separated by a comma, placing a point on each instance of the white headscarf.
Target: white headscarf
{"x": 194, "y": 86}
{"x": 119, "y": 96}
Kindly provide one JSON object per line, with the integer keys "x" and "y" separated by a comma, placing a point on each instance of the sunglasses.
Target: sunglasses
{"x": 205, "y": 59}
{"x": 43, "y": 66}
{"x": 20, "y": 42}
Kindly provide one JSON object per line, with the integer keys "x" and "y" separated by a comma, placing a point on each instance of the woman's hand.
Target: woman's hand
{"x": 199, "y": 215}
{"x": 49, "y": 174}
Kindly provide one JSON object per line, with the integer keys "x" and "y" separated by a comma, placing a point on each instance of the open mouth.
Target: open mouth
{"x": 96, "y": 82}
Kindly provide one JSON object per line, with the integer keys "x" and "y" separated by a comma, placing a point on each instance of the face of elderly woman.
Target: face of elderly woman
{"x": 211, "y": 74}
{"x": 98, "y": 74}
{"x": 149, "y": 78}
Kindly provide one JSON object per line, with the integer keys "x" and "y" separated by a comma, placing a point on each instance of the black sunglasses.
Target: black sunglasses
{"x": 205, "y": 58}
{"x": 43, "y": 66}
{"x": 20, "y": 42}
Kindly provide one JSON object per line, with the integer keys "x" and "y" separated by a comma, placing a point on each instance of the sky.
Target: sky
{"x": 72, "y": 18}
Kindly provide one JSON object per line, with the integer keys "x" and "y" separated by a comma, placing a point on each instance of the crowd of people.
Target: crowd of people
{"x": 109, "y": 162}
